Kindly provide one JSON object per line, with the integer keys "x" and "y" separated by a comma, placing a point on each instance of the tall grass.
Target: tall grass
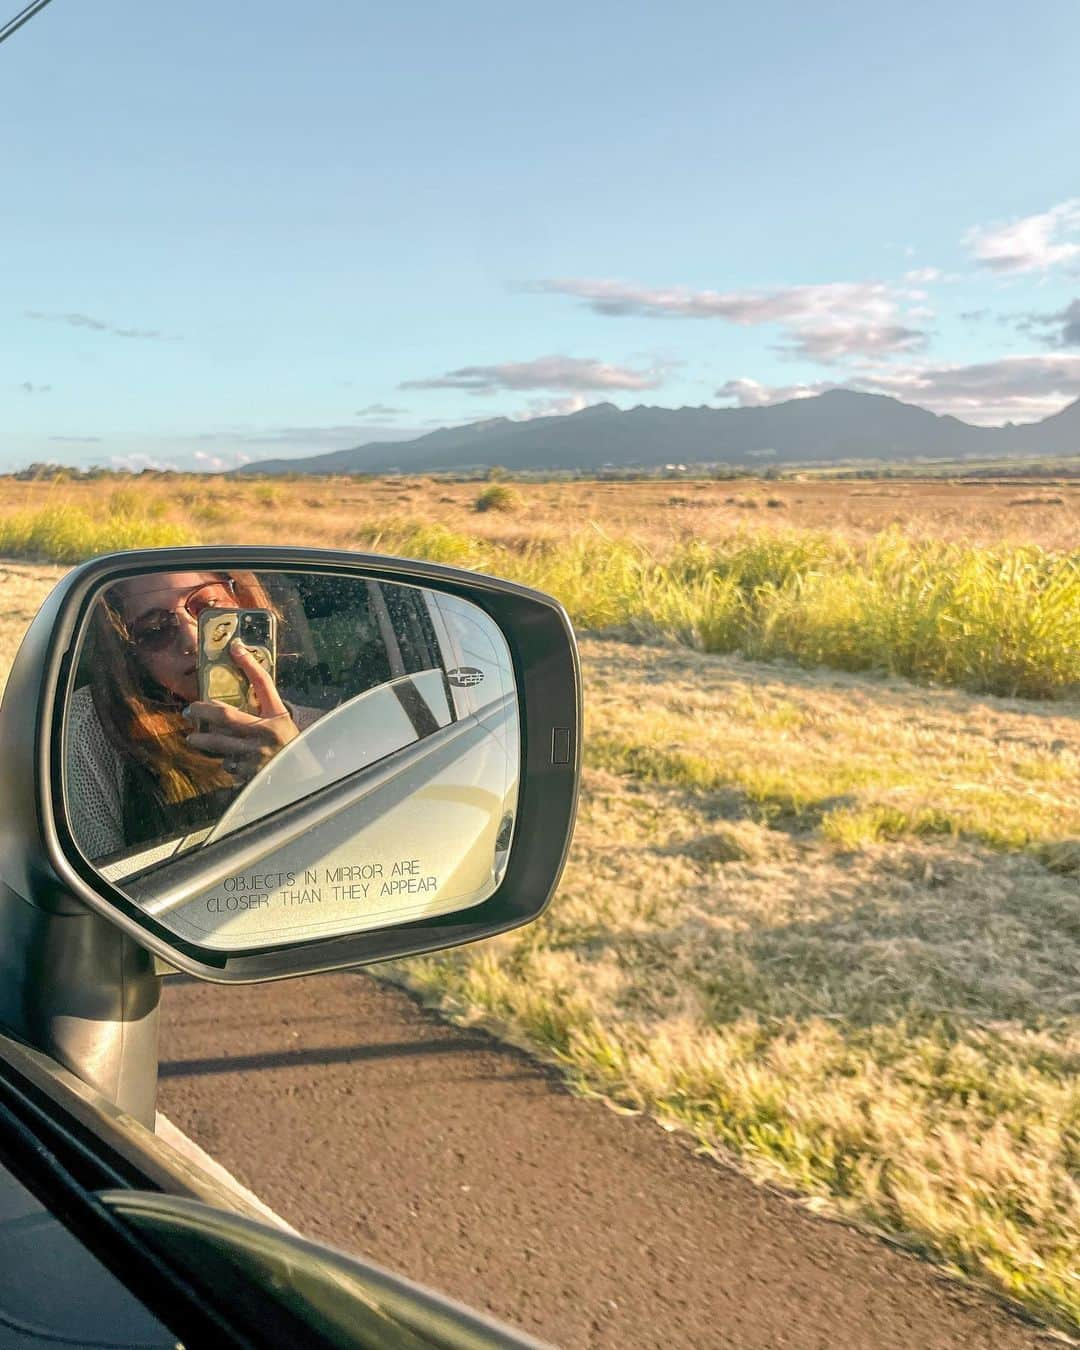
{"x": 69, "y": 534}
{"x": 1001, "y": 620}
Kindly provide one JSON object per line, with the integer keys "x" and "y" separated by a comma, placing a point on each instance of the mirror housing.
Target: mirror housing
{"x": 43, "y": 867}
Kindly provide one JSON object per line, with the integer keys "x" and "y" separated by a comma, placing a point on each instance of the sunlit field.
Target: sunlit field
{"x": 658, "y": 512}
{"x": 823, "y": 908}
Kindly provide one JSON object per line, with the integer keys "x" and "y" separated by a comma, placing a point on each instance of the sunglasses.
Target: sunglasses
{"x": 157, "y": 630}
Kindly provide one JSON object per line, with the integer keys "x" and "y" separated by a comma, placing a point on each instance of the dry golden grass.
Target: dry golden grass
{"x": 891, "y": 1028}
{"x": 1002, "y": 618}
{"x": 657, "y": 512}
{"x": 851, "y": 760}
{"x": 828, "y": 923}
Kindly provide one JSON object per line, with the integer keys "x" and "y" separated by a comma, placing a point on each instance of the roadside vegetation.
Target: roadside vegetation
{"x": 995, "y": 617}
{"x": 805, "y": 921}
{"x": 823, "y": 907}
{"x": 1002, "y": 620}
{"x": 62, "y": 532}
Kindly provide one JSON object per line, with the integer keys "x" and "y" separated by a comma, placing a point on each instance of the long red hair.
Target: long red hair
{"x": 141, "y": 719}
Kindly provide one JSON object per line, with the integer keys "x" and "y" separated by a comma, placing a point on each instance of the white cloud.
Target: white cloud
{"x": 1032, "y": 243}
{"x": 747, "y": 393}
{"x": 558, "y": 373}
{"x": 553, "y": 407}
{"x": 823, "y": 323}
{"x": 829, "y": 342}
{"x": 1014, "y": 388}
{"x": 923, "y": 276}
{"x": 1070, "y": 325}
{"x": 136, "y": 463}
{"x": 793, "y": 303}
{"x": 379, "y": 410}
{"x": 220, "y": 463}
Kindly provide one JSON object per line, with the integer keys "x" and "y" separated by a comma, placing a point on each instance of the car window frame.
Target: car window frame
{"x": 65, "y": 1142}
{"x": 76, "y": 1153}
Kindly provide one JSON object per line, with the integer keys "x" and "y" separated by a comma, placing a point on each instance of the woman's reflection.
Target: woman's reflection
{"x": 147, "y": 760}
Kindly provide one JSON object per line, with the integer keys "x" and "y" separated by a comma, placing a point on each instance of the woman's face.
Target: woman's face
{"x": 163, "y": 631}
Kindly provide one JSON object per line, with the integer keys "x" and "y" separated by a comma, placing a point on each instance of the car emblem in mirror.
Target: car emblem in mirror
{"x": 465, "y": 677}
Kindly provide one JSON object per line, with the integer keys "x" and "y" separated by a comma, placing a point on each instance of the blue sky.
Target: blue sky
{"x": 239, "y": 230}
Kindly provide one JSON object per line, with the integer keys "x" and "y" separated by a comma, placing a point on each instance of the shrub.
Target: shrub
{"x": 499, "y": 497}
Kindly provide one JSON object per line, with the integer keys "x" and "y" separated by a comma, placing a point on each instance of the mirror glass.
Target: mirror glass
{"x": 259, "y": 758}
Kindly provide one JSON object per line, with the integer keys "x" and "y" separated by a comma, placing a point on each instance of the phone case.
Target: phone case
{"x": 219, "y": 678}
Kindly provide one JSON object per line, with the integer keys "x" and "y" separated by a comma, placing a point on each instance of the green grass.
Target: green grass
{"x": 428, "y": 542}
{"x": 1003, "y": 620}
{"x": 67, "y": 534}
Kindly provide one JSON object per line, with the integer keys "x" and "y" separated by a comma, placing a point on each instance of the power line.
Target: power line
{"x": 23, "y": 17}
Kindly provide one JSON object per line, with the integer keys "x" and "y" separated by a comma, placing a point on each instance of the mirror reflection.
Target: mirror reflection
{"x": 208, "y": 704}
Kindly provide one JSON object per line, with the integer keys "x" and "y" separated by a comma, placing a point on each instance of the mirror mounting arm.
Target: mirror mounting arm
{"x": 72, "y": 984}
{"x": 78, "y": 988}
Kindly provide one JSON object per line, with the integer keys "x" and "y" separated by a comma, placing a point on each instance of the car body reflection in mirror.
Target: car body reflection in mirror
{"x": 395, "y": 703}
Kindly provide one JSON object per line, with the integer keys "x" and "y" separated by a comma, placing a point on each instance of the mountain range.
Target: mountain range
{"x": 837, "y": 425}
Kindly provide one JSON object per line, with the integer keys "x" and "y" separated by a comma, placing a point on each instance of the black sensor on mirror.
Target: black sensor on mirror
{"x": 268, "y": 761}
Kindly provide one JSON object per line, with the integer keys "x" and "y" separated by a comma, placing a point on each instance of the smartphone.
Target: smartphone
{"x": 219, "y": 677}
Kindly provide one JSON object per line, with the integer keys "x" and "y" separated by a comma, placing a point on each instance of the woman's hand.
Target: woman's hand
{"x": 245, "y": 742}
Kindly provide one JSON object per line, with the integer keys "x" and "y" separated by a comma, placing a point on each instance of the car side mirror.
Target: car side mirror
{"x": 260, "y": 762}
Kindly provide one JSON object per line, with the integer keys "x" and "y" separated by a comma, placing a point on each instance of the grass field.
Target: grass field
{"x": 825, "y": 918}
{"x": 657, "y": 512}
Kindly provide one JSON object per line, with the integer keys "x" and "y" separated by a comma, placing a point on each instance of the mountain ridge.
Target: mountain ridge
{"x": 838, "y": 424}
